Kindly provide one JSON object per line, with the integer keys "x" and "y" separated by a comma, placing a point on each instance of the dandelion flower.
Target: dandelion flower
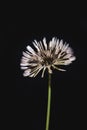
{"x": 46, "y": 56}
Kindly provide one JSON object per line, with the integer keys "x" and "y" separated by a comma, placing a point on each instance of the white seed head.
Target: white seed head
{"x": 46, "y": 56}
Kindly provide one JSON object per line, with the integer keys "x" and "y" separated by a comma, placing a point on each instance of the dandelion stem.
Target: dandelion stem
{"x": 48, "y": 103}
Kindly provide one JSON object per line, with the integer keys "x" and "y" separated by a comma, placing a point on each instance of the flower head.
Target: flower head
{"x": 46, "y": 56}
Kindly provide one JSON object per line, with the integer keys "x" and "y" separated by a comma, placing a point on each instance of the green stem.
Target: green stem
{"x": 49, "y": 103}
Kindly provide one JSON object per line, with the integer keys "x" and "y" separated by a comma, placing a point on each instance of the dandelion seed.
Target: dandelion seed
{"x": 46, "y": 56}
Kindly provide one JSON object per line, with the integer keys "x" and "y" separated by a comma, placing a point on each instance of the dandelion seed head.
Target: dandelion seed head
{"x": 46, "y": 56}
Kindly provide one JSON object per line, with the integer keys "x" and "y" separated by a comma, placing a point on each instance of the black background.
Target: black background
{"x": 67, "y": 22}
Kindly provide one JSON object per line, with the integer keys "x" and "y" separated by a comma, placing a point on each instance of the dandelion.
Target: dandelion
{"x": 46, "y": 56}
